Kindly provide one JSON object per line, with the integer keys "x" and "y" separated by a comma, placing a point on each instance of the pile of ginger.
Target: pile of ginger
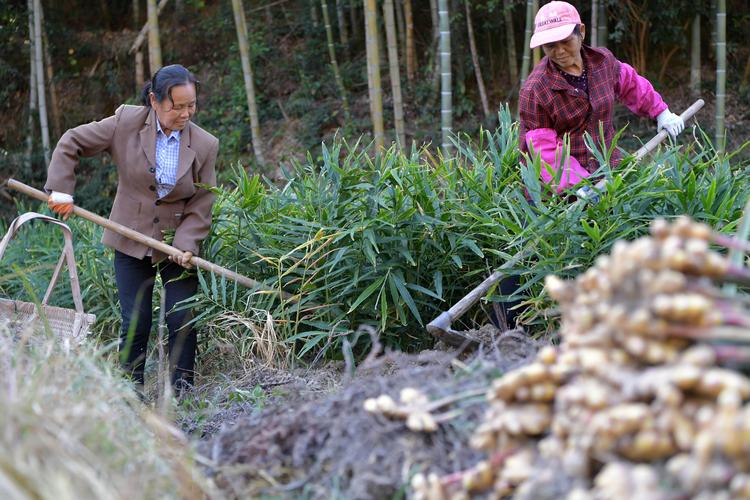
{"x": 642, "y": 397}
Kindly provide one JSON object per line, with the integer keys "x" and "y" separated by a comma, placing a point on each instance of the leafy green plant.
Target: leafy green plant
{"x": 391, "y": 241}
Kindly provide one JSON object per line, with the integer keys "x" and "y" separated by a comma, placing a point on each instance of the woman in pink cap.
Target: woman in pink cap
{"x": 572, "y": 91}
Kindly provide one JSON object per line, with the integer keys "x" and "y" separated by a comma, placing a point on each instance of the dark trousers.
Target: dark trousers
{"x": 135, "y": 286}
{"x": 503, "y": 315}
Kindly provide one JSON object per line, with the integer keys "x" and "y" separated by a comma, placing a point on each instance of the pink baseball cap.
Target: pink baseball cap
{"x": 554, "y": 21}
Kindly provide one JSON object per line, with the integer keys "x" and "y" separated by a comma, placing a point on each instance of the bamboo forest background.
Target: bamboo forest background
{"x": 318, "y": 68}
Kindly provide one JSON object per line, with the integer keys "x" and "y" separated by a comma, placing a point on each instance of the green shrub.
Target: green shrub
{"x": 392, "y": 241}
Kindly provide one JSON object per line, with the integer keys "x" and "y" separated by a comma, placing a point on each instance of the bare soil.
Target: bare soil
{"x": 315, "y": 440}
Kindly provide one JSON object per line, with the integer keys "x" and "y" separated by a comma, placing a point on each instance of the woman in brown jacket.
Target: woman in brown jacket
{"x": 161, "y": 159}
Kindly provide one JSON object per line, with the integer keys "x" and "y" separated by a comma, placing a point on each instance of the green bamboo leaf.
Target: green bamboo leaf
{"x": 383, "y": 298}
{"x": 396, "y": 299}
{"x": 370, "y": 254}
{"x": 202, "y": 283}
{"x": 214, "y": 289}
{"x": 314, "y": 341}
{"x": 366, "y": 293}
{"x": 592, "y": 230}
{"x": 370, "y": 235}
{"x": 471, "y": 245}
{"x": 404, "y": 252}
{"x": 406, "y": 296}
{"x": 437, "y": 281}
{"x": 426, "y": 291}
{"x": 708, "y": 199}
{"x": 457, "y": 260}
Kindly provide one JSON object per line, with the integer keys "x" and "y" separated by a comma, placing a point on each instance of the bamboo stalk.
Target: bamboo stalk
{"x": 154, "y": 43}
{"x": 148, "y": 241}
{"x": 353, "y": 19}
{"x": 314, "y": 14}
{"x": 401, "y": 24}
{"x": 510, "y": 40}
{"x": 247, "y": 74}
{"x": 54, "y": 106}
{"x": 139, "y": 78}
{"x": 603, "y": 32}
{"x": 139, "y": 71}
{"x": 537, "y": 52}
{"x": 332, "y": 56}
{"x": 411, "y": 52}
{"x": 446, "y": 92}
{"x": 475, "y": 61}
{"x": 41, "y": 94}
{"x": 526, "y": 59}
{"x": 32, "y": 87}
{"x": 695, "y": 56}
{"x": 373, "y": 72}
{"x": 144, "y": 30}
{"x": 435, "y": 19}
{"x": 721, "y": 72}
{"x": 343, "y": 31}
{"x": 395, "y": 73}
{"x": 593, "y": 30}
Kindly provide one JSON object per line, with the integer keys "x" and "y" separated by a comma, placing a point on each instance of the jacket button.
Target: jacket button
{"x": 157, "y": 202}
{"x": 152, "y": 188}
{"x": 151, "y": 169}
{"x": 156, "y": 220}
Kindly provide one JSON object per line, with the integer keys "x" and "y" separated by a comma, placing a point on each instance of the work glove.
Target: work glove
{"x": 587, "y": 193}
{"x": 670, "y": 122}
{"x": 61, "y": 204}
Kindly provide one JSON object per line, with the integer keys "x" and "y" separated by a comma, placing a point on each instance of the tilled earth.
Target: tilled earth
{"x": 313, "y": 438}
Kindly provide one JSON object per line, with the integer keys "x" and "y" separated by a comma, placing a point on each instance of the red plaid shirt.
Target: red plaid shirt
{"x": 548, "y": 101}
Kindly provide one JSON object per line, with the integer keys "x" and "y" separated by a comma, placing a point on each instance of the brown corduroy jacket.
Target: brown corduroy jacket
{"x": 129, "y": 136}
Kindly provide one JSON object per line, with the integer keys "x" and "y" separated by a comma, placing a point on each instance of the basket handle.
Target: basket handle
{"x": 66, "y": 256}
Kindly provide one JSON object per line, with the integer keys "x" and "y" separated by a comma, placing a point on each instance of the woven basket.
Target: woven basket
{"x": 70, "y": 325}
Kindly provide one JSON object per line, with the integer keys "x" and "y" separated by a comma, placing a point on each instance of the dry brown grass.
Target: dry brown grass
{"x": 73, "y": 428}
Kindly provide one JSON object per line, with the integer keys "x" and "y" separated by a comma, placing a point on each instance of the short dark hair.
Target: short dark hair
{"x": 577, "y": 30}
{"x": 164, "y": 79}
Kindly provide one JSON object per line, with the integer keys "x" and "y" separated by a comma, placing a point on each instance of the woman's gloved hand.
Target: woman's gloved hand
{"x": 61, "y": 204}
{"x": 671, "y": 122}
{"x": 587, "y": 193}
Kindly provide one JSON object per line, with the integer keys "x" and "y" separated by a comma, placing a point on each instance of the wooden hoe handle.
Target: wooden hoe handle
{"x": 146, "y": 240}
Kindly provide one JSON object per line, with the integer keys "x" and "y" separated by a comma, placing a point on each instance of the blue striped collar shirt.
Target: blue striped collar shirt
{"x": 167, "y": 159}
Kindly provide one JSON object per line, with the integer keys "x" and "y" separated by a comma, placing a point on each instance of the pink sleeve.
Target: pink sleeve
{"x": 637, "y": 93}
{"x": 545, "y": 143}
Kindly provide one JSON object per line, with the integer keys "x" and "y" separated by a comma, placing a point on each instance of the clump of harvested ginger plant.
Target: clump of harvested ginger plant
{"x": 641, "y": 397}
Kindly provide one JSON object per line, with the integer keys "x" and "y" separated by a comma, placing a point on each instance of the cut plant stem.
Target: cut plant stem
{"x": 714, "y": 333}
{"x": 735, "y": 274}
{"x": 444, "y": 417}
{"x": 730, "y": 242}
{"x": 434, "y": 405}
{"x": 732, "y": 354}
{"x": 714, "y": 293}
{"x": 730, "y": 315}
{"x": 496, "y": 460}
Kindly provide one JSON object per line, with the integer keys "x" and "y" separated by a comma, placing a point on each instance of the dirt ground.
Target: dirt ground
{"x": 312, "y": 437}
